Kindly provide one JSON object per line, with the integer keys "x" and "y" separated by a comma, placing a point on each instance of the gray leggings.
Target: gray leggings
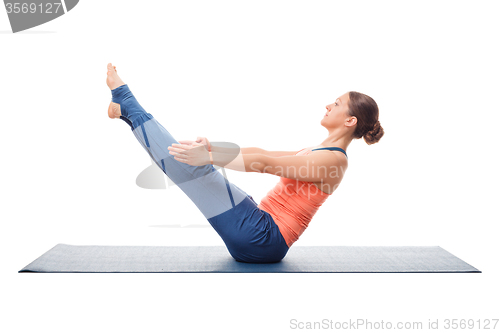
{"x": 209, "y": 190}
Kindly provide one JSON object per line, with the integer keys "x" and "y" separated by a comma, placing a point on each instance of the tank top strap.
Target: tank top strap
{"x": 333, "y": 148}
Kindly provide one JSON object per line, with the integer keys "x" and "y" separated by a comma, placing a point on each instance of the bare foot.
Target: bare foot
{"x": 114, "y": 110}
{"x": 113, "y": 80}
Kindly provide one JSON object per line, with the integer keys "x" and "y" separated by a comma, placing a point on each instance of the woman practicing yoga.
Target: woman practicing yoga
{"x": 255, "y": 233}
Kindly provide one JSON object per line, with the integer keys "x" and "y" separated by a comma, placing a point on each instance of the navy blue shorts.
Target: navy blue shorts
{"x": 250, "y": 233}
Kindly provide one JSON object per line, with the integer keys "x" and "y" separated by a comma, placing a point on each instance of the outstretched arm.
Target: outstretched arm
{"x": 315, "y": 167}
{"x": 231, "y": 148}
{"x": 196, "y": 154}
{"x": 255, "y": 150}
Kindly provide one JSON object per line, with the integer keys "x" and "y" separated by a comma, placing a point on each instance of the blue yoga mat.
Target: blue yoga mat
{"x": 216, "y": 259}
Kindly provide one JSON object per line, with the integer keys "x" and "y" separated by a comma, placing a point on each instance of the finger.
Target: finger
{"x": 176, "y": 145}
{"x": 186, "y": 142}
{"x": 181, "y": 148}
{"x": 178, "y": 150}
{"x": 178, "y": 154}
{"x": 183, "y": 160}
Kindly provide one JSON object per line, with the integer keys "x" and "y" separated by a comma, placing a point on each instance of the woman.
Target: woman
{"x": 255, "y": 233}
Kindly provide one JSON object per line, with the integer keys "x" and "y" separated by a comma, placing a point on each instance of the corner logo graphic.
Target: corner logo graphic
{"x": 31, "y": 13}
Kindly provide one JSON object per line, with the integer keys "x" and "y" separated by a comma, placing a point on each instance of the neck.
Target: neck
{"x": 336, "y": 139}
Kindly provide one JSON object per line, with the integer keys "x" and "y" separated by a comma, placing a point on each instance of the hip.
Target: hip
{"x": 250, "y": 233}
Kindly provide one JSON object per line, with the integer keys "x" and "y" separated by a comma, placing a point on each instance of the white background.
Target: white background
{"x": 256, "y": 73}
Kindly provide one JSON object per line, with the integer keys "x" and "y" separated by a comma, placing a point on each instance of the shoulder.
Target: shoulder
{"x": 335, "y": 163}
{"x": 331, "y": 156}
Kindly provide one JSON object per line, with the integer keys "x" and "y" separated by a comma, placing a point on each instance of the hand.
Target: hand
{"x": 204, "y": 141}
{"x": 194, "y": 154}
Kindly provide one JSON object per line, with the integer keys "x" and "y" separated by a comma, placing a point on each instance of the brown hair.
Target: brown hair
{"x": 364, "y": 108}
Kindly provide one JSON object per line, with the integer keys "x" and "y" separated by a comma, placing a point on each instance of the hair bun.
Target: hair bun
{"x": 375, "y": 134}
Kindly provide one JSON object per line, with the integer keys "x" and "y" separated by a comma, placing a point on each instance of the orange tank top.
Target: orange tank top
{"x": 292, "y": 204}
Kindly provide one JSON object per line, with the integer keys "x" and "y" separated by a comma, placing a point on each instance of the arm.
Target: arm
{"x": 243, "y": 163}
{"x": 231, "y": 148}
{"x": 254, "y": 150}
{"x": 315, "y": 167}
{"x": 217, "y": 148}
{"x": 196, "y": 154}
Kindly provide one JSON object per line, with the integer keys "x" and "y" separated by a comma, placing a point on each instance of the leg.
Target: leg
{"x": 211, "y": 192}
{"x": 249, "y": 233}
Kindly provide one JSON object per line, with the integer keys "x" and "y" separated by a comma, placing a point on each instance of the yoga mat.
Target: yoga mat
{"x": 65, "y": 258}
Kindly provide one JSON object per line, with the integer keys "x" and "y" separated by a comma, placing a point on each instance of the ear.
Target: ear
{"x": 351, "y": 121}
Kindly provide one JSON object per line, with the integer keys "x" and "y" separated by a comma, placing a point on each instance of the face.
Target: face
{"x": 336, "y": 113}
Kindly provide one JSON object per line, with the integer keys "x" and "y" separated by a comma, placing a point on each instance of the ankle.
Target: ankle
{"x": 113, "y": 84}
